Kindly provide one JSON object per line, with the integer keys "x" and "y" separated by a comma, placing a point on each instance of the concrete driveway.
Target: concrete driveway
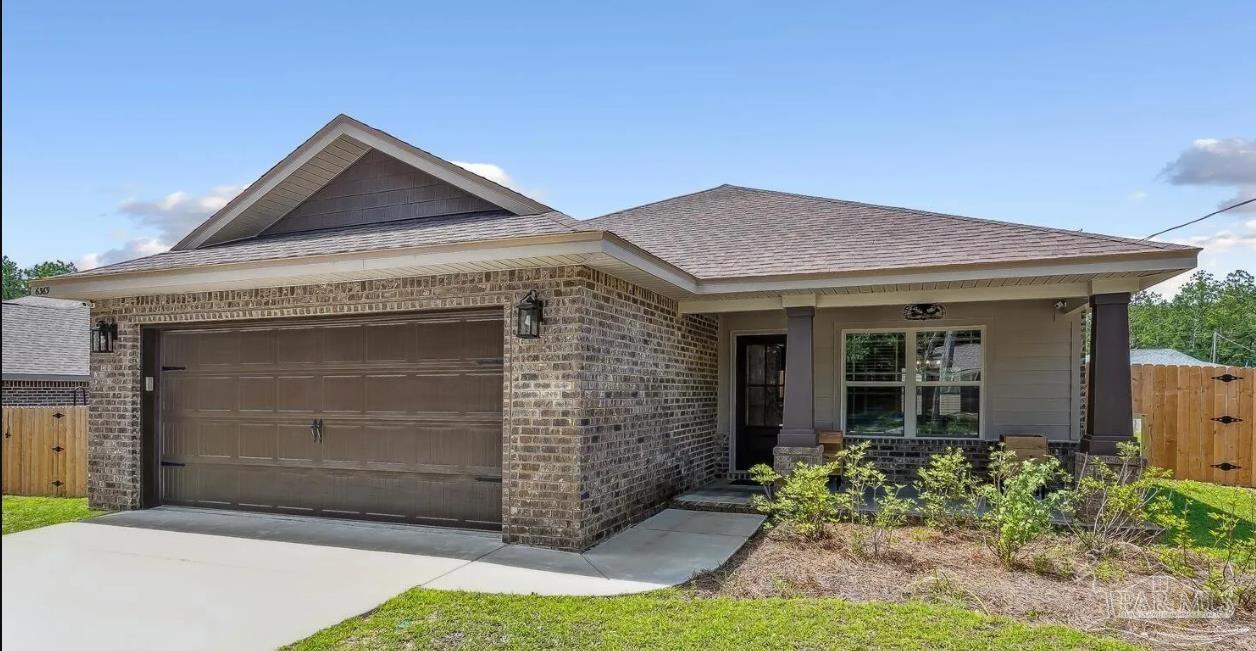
{"x": 197, "y": 579}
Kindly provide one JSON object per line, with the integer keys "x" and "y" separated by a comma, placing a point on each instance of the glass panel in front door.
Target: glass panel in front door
{"x": 764, "y": 397}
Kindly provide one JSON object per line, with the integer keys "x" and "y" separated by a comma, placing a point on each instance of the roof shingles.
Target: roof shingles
{"x": 731, "y": 231}
{"x": 45, "y": 338}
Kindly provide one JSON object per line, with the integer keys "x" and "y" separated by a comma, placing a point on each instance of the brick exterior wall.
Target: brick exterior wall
{"x": 605, "y": 415}
{"x": 900, "y": 458}
{"x": 36, "y": 393}
{"x": 649, "y": 378}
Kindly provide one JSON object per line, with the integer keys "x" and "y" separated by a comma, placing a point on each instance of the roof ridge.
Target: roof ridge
{"x": 665, "y": 200}
{"x": 965, "y": 218}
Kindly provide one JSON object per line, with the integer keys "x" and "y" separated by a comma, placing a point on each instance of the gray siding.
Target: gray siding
{"x": 1032, "y": 357}
{"x": 379, "y": 188}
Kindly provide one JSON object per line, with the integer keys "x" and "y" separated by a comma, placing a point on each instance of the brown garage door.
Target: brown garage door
{"x": 393, "y": 419}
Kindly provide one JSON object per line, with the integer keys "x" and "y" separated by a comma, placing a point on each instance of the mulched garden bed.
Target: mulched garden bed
{"x": 1055, "y": 583}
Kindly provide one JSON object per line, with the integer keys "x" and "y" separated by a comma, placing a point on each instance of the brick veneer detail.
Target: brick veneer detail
{"x": 605, "y": 416}
{"x": 900, "y": 458}
{"x": 39, "y": 393}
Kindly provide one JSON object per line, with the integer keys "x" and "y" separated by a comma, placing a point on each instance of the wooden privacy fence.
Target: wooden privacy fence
{"x": 45, "y": 451}
{"x": 1198, "y": 421}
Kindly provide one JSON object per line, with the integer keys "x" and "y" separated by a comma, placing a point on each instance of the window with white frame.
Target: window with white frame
{"x": 923, "y": 382}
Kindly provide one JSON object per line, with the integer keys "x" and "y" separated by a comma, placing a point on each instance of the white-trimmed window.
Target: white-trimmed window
{"x": 919, "y": 382}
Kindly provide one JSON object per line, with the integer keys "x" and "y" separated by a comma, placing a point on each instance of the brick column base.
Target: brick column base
{"x": 785, "y": 458}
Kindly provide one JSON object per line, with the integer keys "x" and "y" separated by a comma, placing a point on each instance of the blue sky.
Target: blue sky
{"x": 124, "y": 122}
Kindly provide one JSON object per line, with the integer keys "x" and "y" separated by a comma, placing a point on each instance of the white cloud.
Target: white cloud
{"x": 178, "y": 213}
{"x": 1224, "y": 250}
{"x": 1222, "y": 240}
{"x": 172, "y": 217}
{"x": 496, "y": 174}
{"x": 131, "y": 249}
{"x": 1138, "y": 195}
{"x": 491, "y": 172}
{"x": 1219, "y": 162}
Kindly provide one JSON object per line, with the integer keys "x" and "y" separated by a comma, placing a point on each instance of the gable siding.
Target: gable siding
{"x": 378, "y": 188}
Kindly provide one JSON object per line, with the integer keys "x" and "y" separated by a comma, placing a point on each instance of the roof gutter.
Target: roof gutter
{"x": 581, "y": 247}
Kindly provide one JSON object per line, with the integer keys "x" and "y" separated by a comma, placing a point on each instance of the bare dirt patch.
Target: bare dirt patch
{"x": 1055, "y": 583}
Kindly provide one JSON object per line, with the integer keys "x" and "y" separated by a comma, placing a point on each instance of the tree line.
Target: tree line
{"x": 17, "y": 280}
{"x": 1204, "y": 306}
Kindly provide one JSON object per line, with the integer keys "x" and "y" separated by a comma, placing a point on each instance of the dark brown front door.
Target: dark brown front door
{"x": 760, "y": 397}
{"x": 396, "y": 419}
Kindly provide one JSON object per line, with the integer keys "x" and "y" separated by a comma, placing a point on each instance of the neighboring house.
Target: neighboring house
{"x": 45, "y": 352}
{"x": 340, "y": 340}
{"x": 1165, "y": 356}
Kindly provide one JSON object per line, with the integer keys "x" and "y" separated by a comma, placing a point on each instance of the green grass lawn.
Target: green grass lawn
{"x": 1197, "y": 500}
{"x": 672, "y": 619}
{"x": 22, "y": 513}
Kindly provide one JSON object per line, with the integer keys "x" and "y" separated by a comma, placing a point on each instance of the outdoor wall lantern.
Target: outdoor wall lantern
{"x": 103, "y": 336}
{"x": 530, "y": 316}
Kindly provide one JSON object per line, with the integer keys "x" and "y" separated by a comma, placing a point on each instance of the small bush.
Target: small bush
{"x": 1107, "y": 571}
{"x": 802, "y": 499}
{"x": 873, "y": 532}
{"x": 948, "y": 491}
{"x": 1015, "y": 516}
{"x": 1116, "y": 505}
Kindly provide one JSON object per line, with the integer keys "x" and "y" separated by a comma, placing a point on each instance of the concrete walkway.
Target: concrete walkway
{"x": 198, "y": 579}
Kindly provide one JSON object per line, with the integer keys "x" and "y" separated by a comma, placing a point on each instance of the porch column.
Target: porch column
{"x": 1109, "y": 408}
{"x": 798, "y": 422}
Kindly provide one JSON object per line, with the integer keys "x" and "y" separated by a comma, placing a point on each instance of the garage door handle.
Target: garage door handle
{"x": 316, "y": 430}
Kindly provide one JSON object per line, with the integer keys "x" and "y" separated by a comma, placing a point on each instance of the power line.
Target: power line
{"x": 1196, "y": 221}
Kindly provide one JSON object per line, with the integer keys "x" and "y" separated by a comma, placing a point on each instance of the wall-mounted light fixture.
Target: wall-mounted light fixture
{"x": 531, "y": 316}
{"x": 923, "y": 311}
{"x": 103, "y": 336}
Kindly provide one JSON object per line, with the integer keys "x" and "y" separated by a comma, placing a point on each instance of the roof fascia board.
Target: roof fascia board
{"x": 344, "y": 125}
{"x": 631, "y": 254}
{"x": 258, "y": 189}
{"x": 1063, "y": 268}
{"x": 296, "y": 271}
{"x": 583, "y": 243}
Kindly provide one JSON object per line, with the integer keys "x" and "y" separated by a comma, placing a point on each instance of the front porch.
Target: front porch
{"x": 914, "y": 379}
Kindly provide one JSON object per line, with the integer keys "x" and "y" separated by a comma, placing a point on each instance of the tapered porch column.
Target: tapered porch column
{"x": 798, "y": 422}
{"x": 1109, "y": 409}
{"x": 797, "y": 441}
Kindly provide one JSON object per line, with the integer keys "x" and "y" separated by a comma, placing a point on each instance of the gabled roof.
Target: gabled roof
{"x": 734, "y": 232}
{"x": 751, "y": 247}
{"x": 45, "y": 339}
{"x": 331, "y": 150}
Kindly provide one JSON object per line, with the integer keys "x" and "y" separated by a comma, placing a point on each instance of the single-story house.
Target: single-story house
{"x": 357, "y": 335}
{"x": 45, "y": 352}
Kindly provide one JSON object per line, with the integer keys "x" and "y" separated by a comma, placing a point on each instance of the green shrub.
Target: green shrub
{"x": 1112, "y": 506}
{"x": 1015, "y": 516}
{"x": 873, "y": 532}
{"x": 947, "y": 491}
{"x": 802, "y": 499}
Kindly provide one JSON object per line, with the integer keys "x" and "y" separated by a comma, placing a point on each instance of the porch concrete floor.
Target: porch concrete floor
{"x": 203, "y": 579}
